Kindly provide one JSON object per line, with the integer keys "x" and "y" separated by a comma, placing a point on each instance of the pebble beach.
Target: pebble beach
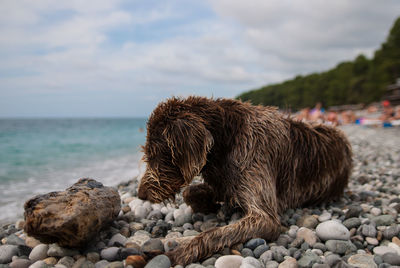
{"x": 360, "y": 230}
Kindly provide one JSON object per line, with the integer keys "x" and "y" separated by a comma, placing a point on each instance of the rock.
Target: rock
{"x": 117, "y": 240}
{"x": 74, "y": 216}
{"x": 31, "y": 242}
{"x": 229, "y": 261}
{"x": 391, "y": 258}
{"x": 332, "y": 259}
{"x": 288, "y": 263}
{"x": 20, "y": 263}
{"x": 209, "y": 261}
{"x": 7, "y": 252}
{"x": 67, "y": 261}
{"x": 309, "y": 236}
{"x": 125, "y": 252}
{"x": 50, "y": 261}
{"x": 39, "y": 264}
{"x": 140, "y": 237}
{"x": 368, "y": 230}
{"x": 325, "y": 216}
{"x": 258, "y": 251}
{"x": 362, "y": 261}
{"x": 383, "y": 220}
{"x": 160, "y": 261}
{"x": 14, "y": 240}
{"x": 39, "y": 252}
{"x": 382, "y": 250}
{"x": 135, "y": 261}
{"x": 154, "y": 244}
{"x": 354, "y": 211}
{"x": 332, "y": 230}
{"x": 246, "y": 252}
{"x": 340, "y": 246}
{"x": 57, "y": 251}
{"x": 255, "y": 242}
{"x": 308, "y": 259}
{"x": 376, "y": 211}
{"x": 271, "y": 264}
{"x": 110, "y": 254}
{"x": 266, "y": 256}
{"x": 101, "y": 264}
{"x": 115, "y": 264}
{"x": 307, "y": 221}
{"x": 390, "y": 232}
{"x": 372, "y": 241}
{"x": 352, "y": 223}
{"x": 93, "y": 257}
{"x": 251, "y": 262}
{"x": 170, "y": 244}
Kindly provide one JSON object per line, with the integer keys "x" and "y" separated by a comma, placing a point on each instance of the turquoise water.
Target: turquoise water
{"x": 42, "y": 155}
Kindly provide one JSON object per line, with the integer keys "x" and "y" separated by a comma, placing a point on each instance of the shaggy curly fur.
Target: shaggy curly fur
{"x": 249, "y": 156}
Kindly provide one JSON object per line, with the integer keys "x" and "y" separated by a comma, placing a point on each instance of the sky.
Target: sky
{"x": 117, "y": 58}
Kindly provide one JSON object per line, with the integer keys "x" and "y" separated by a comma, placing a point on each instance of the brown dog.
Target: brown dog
{"x": 249, "y": 156}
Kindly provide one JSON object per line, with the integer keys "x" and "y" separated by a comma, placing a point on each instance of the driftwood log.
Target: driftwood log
{"x": 72, "y": 217}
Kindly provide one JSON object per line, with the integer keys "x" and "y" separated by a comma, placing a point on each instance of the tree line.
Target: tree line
{"x": 362, "y": 80}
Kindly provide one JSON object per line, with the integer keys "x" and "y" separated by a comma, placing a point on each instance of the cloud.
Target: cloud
{"x": 117, "y": 57}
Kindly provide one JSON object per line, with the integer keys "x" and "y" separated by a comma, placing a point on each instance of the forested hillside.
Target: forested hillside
{"x": 362, "y": 80}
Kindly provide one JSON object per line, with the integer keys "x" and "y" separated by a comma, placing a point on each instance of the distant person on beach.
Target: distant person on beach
{"x": 304, "y": 114}
{"x": 347, "y": 117}
{"x": 388, "y": 112}
{"x": 332, "y": 118}
{"x": 317, "y": 113}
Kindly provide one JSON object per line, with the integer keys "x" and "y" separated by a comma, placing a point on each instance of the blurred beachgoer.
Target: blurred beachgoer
{"x": 317, "y": 113}
{"x": 347, "y": 117}
{"x": 387, "y": 112}
{"x": 372, "y": 109}
{"x": 396, "y": 115}
{"x": 332, "y": 118}
{"x": 304, "y": 114}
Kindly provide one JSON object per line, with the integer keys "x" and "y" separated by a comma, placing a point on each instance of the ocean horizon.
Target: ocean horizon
{"x": 39, "y": 155}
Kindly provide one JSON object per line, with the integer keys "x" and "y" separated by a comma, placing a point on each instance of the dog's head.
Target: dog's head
{"x": 175, "y": 151}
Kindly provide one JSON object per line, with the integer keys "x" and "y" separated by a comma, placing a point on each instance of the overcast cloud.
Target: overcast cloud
{"x": 120, "y": 58}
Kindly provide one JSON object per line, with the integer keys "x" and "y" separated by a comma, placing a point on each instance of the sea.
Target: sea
{"x": 43, "y": 155}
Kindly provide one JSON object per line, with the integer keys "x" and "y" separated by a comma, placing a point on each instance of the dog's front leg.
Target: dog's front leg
{"x": 214, "y": 240}
{"x": 201, "y": 198}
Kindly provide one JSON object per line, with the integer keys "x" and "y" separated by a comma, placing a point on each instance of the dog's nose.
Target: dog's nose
{"x": 142, "y": 194}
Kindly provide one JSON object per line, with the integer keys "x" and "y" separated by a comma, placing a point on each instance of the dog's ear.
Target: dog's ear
{"x": 189, "y": 141}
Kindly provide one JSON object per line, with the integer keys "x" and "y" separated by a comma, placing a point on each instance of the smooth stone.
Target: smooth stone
{"x": 39, "y": 252}
{"x": 160, "y": 261}
{"x": 110, "y": 254}
{"x": 50, "y": 261}
{"x": 135, "y": 261}
{"x": 246, "y": 252}
{"x": 93, "y": 257}
{"x": 352, "y": 223}
{"x": 308, "y": 235}
{"x": 308, "y": 259}
{"x": 67, "y": 261}
{"x": 391, "y": 258}
{"x": 39, "y": 264}
{"x": 280, "y": 250}
{"x": 194, "y": 265}
{"x": 395, "y": 247}
{"x": 31, "y": 242}
{"x": 14, "y": 240}
{"x": 288, "y": 263}
{"x": 190, "y": 233}
{"x": 20, "y": 263}
{"x": 253, "y": 243}
{"x": 362, "y": 261}
{"x": 340, "y": 246}
{"x": 272, "y": 264}
{"x": 229, "y": 261}
{"x": 332, "y": 259}
{"x": 114, "y": 264}
{"x": 383, "y": 220}
{"x": 152, "y": 245}
{"x": 390, "y": 232}
{"x": 7, "y": 252}
{"x": 140, "y": 237}
{"x": 117, "y": 240}
{"x": 381, "y": 250}
{"x": 182, "y": 219}
{"x": 56, "y": 251}
{"x": 74, "y": 216}
{"x": 308, "y": 221}
{"x": 266, "y": 256}
{"x": 354, "y": 211}
{"x": 155, "y": 215}
{"x": 368, "y": 230}
{"x": 332, "y": 230}
{"x": 209, "y": 261}
{"x": 372, "y": 241}
{"x": 375, "y": 211}
{"x": 258, "y": 251}
{"x": 325, "y": 216}
{"x": 125, "y": 252}
{"x": 170, "y": 244}
{"x": 101, "y": 264}
{"x": 251, "y": 262}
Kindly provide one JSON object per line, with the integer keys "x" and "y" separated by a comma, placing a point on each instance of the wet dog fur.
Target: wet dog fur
{"x": 250, "y": 157}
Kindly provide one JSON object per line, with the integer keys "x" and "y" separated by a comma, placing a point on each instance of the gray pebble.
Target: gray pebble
{"x": 115, "y": 264}
{"x": 57, "y": 251}
{"x": 39, "y": 252}
{"x": 251, "y": 262}
{"x": 160, "y": 261}
{"x": 271, "y": 264}
{"x": 153, "y": 244}
{"x": 246, "y": 252}
{"x": 110, "y": 254}
{"x": 340, "y": 246}
{"x": 308, "y": 259}
{"x": 7, "y": 252}
{"x": 383, "y": 220}
{"x": 260, "y": 250}
{"x": 67, "y": 261}
{"x": 117, "y": 240}
{"x": 209, "y": 261}
{"x": 332, "y": 230}
{"x": 101, "y": 264}
{"x": 253, "y": 243}
{"x": 368, "y": 230}
{"x": 352, "y": 223}
{"x": 20, "y": 263}
{"x": 391, "y": 258}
